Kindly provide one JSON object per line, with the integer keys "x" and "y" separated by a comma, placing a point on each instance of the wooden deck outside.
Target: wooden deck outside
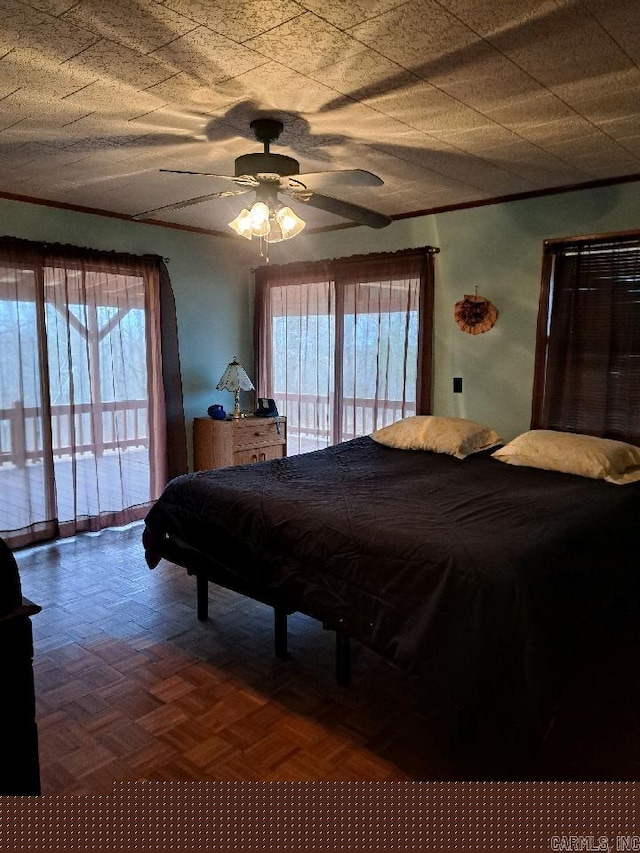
{"x": 123, "y": 480}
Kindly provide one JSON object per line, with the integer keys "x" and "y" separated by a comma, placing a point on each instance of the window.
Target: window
{"x": 340, "y": 344}
{"x": 587, "y": 367}
{"x": 82, "y": 398}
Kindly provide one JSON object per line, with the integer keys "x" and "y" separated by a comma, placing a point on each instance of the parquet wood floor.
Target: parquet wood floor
{"x": 130, "y": 686}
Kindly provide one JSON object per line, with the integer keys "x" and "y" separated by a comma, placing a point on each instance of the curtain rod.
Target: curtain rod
{"x": 429, "y": 250}
{"x": 70, "y": 248}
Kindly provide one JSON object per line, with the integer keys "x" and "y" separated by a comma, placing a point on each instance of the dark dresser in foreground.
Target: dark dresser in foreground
{"x": 19, "y": 762}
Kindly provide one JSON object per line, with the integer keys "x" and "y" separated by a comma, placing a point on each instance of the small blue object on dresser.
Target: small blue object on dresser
{"x": 216, "y": 412}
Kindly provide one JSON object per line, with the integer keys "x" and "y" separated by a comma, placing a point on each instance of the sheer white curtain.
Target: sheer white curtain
{"x": 82, "y": 423}
{"x": 302, "y": 359}
{"x": 340, "y": 344}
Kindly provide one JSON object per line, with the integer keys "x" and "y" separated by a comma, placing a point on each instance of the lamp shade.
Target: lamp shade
{"x": 275, "y": 232}
{"x": 234, "y": 378}
{"x": 260, "y": 215}
{"x": 242, "y": 224}
{"x": 289, "y": 222}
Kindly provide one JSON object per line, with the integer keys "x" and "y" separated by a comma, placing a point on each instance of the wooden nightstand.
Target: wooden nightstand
{"x": 218, "y": 444}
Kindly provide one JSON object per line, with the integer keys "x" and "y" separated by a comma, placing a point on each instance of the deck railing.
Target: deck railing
{"x": 83, "y": 428}
{"x": 309, "y": 418}
{"x": 123, "y": 424}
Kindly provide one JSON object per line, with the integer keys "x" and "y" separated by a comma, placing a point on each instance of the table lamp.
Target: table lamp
{"x": 235, "y": 379}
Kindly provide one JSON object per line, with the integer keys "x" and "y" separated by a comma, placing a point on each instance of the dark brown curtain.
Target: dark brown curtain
{"x": 86, "y": 339}
{"x": 176, "y": 439}
{"x": 587, "y": 367}
{"x": 344, "y": 346}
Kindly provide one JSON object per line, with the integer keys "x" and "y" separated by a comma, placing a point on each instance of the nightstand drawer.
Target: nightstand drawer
{"x": 258, "y": 454}
{"x": 257, "y": 432}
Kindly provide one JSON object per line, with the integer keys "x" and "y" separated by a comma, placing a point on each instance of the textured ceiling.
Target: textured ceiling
{"x": 450, "y": 102}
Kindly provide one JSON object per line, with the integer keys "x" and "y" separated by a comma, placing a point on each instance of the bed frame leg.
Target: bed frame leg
{"x": 280, "y": 632}
{"x": 202, "y": 595}
{"x": 343, "y": 659}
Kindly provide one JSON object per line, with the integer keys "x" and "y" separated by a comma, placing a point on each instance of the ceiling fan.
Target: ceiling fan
{"x": 269, "y": 174}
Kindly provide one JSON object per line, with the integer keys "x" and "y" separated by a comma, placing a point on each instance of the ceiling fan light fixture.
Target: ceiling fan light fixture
{"x": 290, "y": 223}
{"x": 242, "y": 224}
{"x": 263, "y": 221}
{"x": 275, "y": 232}
{"x": 260, "y": 216}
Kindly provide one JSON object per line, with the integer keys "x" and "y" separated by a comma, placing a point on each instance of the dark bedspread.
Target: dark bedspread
{"x": 483, "y": 578}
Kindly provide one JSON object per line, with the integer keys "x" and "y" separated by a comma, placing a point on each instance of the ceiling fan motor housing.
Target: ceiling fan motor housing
{"x": 266, "y": 130}
{"x": 275, "y": 164}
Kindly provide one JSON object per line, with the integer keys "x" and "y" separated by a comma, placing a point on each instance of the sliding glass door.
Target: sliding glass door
{"x": 79, "y": 395}
{"x": 340, "y": 345}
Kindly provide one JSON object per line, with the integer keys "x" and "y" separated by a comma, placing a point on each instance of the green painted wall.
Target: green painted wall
{"x": 497, "y": 248}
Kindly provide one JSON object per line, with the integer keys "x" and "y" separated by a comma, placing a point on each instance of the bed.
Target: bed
{"x": 485, "y": 581}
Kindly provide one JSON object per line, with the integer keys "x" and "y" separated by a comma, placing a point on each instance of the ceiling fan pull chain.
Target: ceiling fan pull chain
{"x": 264, "y": 249}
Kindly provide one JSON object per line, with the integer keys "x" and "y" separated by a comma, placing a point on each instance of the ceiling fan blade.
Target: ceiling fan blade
{"x": 361, "y": 215}
{"x": 269, "y": 173}
{"x": 206, "y": 174}
{"x": 178, "y": 205}
{"x": 242, "y": 180}
{"x": 343, "y": 177}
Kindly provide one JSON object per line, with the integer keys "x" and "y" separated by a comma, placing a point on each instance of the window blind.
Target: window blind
{"x": 587, "y": 366}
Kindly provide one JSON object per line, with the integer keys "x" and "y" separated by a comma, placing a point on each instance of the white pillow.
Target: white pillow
{"x": 458, "y": 437}
{"x": 574, "y": 453}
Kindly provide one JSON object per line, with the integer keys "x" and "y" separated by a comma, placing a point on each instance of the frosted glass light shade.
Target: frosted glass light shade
{"x": 242, "y": 224}
{"x": 289, "y": 222}
{"x": 275, "y": 233}
{"x": 260, "y": 219}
